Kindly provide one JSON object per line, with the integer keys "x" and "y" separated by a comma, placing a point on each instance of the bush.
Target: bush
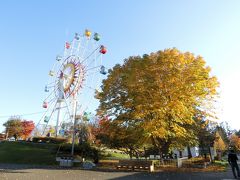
{"x": 84, "y": 150}
{"x": 221, "y": 163}
{"x": 53, "y": 140}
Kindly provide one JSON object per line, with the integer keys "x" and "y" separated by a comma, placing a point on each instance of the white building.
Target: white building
{"x": 194, "y": 151}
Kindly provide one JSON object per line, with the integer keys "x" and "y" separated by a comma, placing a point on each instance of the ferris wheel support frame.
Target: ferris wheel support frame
{"x": 74, "y": 125}
{"x": 60, "y": 100}
{"x": 59, "y": 115}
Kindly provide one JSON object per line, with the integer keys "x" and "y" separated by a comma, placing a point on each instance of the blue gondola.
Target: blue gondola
{"x": 46, "y": 89}
{"x": 77, "y": 37}
{"x": 103, "y": 70}
{"x": 46, "y": 119}
{"x": 96, "y": 37}
{"x": 86, "y": 116}
{"x": 61, "y": 132}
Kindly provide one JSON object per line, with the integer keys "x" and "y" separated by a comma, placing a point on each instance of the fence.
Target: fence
{"x": 179, "y": 162}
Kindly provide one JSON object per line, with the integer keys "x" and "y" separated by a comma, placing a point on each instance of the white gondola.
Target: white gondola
{"x": 51, "y": 73}
{"x": 59, "y": 58}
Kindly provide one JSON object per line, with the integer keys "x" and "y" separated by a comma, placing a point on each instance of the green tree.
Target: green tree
{"x": 225, "y": 131}
{"x": 204, "y": 131}
{"x": 159, "y": 93}
{"x": 126, "y": 137}
{"x": 13, "y": 127}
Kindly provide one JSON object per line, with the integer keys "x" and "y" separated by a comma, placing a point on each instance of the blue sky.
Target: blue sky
{"x": 33, "y": 32}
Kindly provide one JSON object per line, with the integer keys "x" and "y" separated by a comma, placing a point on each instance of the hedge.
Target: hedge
{"x": 55, "y": 140}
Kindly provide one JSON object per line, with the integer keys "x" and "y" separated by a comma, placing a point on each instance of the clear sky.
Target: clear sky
{"x": 33, "y": 32}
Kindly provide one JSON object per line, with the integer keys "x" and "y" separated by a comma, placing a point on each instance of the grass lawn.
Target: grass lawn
{"x": 114, "y": 155}
{"x": 27, "y": 153}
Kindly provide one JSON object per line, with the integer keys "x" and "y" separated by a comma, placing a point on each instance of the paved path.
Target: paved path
{"x": 25, "y": 172}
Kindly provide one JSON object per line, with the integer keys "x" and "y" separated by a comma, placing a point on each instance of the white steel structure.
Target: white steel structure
{"x": 76, "y": 72}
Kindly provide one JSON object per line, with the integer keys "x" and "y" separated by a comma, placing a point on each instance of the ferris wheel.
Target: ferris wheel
{"x": 73, "y": 78}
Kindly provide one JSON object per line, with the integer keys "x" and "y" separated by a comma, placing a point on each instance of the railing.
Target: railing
{"x": 172, "y": 162}
{"x": 168, "y": 163}
{"x": 181, "y": 161}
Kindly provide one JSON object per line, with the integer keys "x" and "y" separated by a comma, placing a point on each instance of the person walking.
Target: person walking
{"x": 232, "y": 160}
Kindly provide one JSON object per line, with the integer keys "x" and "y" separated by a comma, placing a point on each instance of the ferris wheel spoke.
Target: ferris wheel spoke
{"x": 49, "y": 95}
{"x": 92, "y": 61}
{"x": 89, "y": 87}
{"x": 52, "y": 100}
{"x": 44, "y": 114}
{"x": 49, "y": 84}
{"x": 90, "y": 55}
{"x": 92, "y": 74}
{"x": 84, "y": 50}
{"x": 95, "y": 69}
{"x": 49, "y": 118}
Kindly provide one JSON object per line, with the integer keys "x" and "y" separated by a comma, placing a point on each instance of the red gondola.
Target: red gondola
{"x": 67, "y": 45}
{"x": 45, "y": 104}
{"x": 103, "y": 49}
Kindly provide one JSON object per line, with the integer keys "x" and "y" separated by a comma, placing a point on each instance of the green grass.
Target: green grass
{"x": 221, "y": 163}
{"x": 114, "y": 155}
{"x": 27, "y": 153}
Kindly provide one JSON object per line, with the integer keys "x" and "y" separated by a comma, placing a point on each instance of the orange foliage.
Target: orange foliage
{"x": 27, "y": 128}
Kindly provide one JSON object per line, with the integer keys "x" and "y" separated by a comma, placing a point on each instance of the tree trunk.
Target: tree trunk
{"x": 145, "y": 155}
{"x": 164, "y": 148}
{"x": 6, "y": 136}
{"x": 210, "y": 154}
{"x": 130, "y": 153}
{"x": 219, "y": 155}
{"x": 161, "y": 157}
{"x": 189, "y": 152}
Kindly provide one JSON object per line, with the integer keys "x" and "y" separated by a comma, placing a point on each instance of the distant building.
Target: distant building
{"x": 195, "y": 151}
{"x": 184, "y": 153}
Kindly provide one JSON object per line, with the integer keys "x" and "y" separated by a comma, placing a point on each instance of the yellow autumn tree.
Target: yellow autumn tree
{"x": 219, "y": 145}
{"x": 159, "y": 93}
{"x": 235, "y": 142}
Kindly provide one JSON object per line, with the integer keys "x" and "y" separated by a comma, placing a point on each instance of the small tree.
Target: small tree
{"x": 235, "y": 142}
{"x": 16, "y": 127}
{"x": 27, "y": 128}
{"x": 219, "y": 145}
{"x": 206, "y": 137}
{"x": 13, "y": 127}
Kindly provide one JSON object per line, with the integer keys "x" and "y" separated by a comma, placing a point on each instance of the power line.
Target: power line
{"x": 6, "y": 116}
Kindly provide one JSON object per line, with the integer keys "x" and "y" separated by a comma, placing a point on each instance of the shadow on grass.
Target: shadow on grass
{"x": 12, "y": 171}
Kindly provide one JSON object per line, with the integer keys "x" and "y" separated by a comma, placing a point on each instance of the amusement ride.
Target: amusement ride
{"x": 75, "y": 73}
